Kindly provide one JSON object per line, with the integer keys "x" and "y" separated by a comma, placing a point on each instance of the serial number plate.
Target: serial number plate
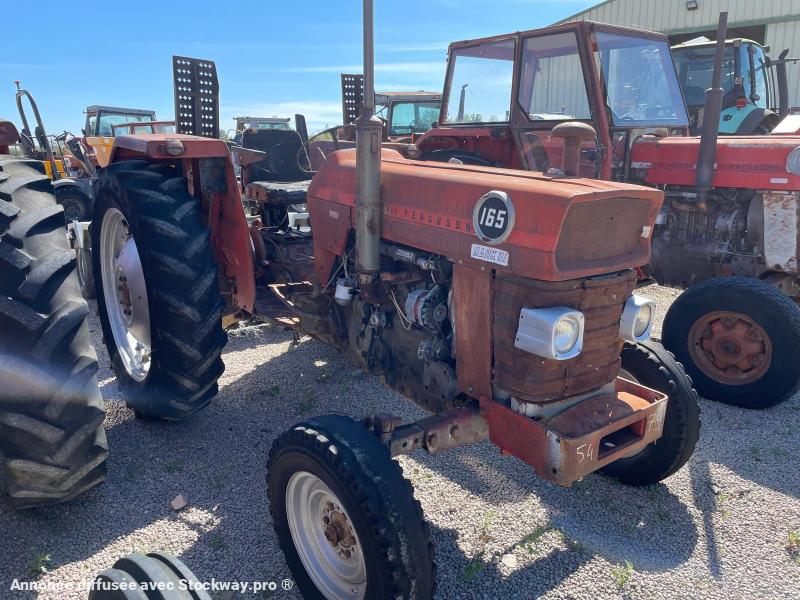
{"x": 492, "y": 255}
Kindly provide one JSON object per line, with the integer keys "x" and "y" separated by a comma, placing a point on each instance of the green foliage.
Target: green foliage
{"x": 622, "y": 574}
{"x": 473, "y": 568}
{"x": 40, "y": 565}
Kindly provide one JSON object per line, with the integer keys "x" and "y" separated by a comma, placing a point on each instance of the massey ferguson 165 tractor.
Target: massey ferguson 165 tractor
{"x": 728, "y": 227}
{"x": 498, "y": 299}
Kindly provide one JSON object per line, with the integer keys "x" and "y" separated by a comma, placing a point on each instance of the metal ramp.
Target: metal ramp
{"x": 196, "y": 96}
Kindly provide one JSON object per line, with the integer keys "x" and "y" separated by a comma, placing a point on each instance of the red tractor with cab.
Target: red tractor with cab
{"x": 497, "y": 298}
{"x": 728, "y": 229}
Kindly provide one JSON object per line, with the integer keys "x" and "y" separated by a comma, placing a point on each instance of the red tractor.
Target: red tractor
{"x": 499, "y": 299}
{"x": 728, "y": 228}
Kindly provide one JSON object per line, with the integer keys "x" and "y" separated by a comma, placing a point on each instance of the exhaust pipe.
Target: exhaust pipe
{"x": 369, "y": 130}
{"x": 783, "y": 85}
{"x": 711, "y": 115}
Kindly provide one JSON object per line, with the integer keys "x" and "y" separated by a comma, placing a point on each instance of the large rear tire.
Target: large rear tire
{"x": 157, "y": 290}
{"x": 650, "y": 365}
{"x": 51, "y": 411}
{"x": 739, "y": 339}
{"x": 347, "y": 521}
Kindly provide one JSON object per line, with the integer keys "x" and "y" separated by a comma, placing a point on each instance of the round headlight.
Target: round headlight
{"x": 793, "y": 161}
{"x": 642, "y": 320}
{"x": 566, "y": 334}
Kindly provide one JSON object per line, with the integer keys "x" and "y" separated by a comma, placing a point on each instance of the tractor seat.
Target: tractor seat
{"x": 695, "y": 95}
{"x": 287, "y": 193}
{"x": 281, "y": 147}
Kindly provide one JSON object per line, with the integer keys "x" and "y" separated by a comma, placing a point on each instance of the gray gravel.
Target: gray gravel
{"x": 717, "y": 529}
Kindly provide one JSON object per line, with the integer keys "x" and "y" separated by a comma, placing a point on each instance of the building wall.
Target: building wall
{"x": 781, "y": 17}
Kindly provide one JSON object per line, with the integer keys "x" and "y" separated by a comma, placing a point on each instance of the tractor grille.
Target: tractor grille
{"x": 536, "y": 379}
{"x": 602, "y": 232}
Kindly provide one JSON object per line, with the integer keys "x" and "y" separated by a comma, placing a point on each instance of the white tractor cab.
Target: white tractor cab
{"x": 756, "y": 95}
{"x": 408, "y": 113}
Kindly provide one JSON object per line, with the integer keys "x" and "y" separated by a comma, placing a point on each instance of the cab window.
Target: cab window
{"x": 480, "y": 83}
{"x": 108, "y": 120}
{"x": 413, "y": 117}
{"x": 552, "y": 87}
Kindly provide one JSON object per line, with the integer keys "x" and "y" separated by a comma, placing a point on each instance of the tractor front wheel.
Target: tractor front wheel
{"x": 346, "y": 519}
{"x": 650, "y": 365}
{"x": 739, "y": 339}
{"x": 77, "y": 205}
{"x": 157, "y": 290}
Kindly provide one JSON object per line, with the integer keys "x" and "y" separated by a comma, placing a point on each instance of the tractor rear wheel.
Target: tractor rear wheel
{"x": 739, "y": 339}
{"x": 650, "y": 365}
{"x": 347, "y": 521}
{"x": 157, "y": 290}
{"x": 51, "y": 411}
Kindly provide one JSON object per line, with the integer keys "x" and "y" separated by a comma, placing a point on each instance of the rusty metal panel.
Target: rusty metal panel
{"x": 473, "y": 293}
{"x": 538, "y": 379}
{"x": 608, "y": 230}
{"x": 583, "y": 438}
{"x": 196, "y": 96}
{"x": 781, "y": 231}
{"x": 330, "y": 241}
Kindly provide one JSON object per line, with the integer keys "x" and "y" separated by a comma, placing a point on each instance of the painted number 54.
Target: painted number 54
{"x": 584, "y": 451}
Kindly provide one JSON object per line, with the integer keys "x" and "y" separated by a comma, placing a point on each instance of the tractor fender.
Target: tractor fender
{"x": 8, "y": 134}
{"x": 80, "y": 184}
{"x": 757, "y": 118}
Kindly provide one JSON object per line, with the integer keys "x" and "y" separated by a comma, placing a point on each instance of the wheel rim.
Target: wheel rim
{"x": 730, "y": 347}
{"x": 125, "y": 294}
{"x": 325, "y": 537}
{"x": 73, "y": 211}
{"x": 84, "y": 269}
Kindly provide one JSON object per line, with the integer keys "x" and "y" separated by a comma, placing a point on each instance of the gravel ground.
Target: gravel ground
{"x": 717, "y": 529}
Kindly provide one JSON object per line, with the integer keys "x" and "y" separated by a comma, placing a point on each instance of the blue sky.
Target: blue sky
{"x": 273, "y": 58}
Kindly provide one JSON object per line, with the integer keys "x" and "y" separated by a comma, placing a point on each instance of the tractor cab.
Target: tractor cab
{"x": 749, "y": 104}
{"x": 408, "y": 113}
{"x": 99, "y": 130}
{"x": 504, "y": 95}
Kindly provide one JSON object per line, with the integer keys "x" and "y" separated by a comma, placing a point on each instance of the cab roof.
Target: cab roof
{"x": 94, "y": 108}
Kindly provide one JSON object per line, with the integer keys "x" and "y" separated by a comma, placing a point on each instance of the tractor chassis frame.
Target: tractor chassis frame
{"x": 571, "y": 445}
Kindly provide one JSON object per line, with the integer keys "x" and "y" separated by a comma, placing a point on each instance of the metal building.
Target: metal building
{"x": 773, "y": 23}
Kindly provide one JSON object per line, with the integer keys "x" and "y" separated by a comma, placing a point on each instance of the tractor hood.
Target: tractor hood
{"x": 749, "y": 162}
{"x": 520, "y": 222}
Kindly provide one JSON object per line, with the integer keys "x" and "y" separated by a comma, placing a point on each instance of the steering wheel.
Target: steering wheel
{"x": 303, "y": 158}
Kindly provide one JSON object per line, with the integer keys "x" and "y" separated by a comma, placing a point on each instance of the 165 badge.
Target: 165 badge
{"x": 493, "y": 217}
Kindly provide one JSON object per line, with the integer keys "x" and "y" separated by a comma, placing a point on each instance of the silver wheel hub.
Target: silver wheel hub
{"x": 325, "y": 538}
{"x": 125, "y": 294}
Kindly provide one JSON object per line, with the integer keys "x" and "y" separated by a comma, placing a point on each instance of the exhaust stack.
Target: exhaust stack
{"x": 711, "y": 114}
{"x": 369, "y": 131}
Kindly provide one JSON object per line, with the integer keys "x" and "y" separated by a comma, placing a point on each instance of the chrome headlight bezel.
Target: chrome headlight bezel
{"x": 634, "y": 307}
{"x": 536, "y": 332}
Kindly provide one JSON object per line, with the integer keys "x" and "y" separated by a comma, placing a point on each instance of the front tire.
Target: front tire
{"x": 346, "y": 519}
{"x": 650, "y": 365}
{"x": 77, "y": 205}
{"x": 157, "y": 290}
{"x": 739, "y": 339}
{"x": 51, "y": 411}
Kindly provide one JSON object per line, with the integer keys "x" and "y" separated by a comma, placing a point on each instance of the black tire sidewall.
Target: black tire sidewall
{"x": 286, "y": 464}
{"x": 653, "y": 367}
{"x": 754, "y": 302}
